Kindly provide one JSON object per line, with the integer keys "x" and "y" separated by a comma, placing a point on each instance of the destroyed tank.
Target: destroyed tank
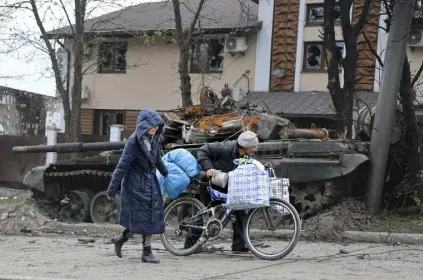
{"x": 321, "y": 172}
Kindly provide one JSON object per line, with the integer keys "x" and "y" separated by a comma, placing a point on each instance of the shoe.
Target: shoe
{"x": 240, "y": 248}
{"x": 148, "y": 257}
{"x": 119, "y": 241}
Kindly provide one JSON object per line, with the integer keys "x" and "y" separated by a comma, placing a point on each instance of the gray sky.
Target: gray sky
{"x": 28, "y": 68}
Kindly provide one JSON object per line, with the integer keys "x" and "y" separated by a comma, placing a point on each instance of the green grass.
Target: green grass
{"x": 12, "y": 200}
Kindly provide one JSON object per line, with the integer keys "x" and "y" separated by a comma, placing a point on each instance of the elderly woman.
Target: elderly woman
{"x": 141, "y": 207}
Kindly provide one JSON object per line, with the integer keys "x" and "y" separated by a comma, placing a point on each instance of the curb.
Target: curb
{"x": 383, "y": 237}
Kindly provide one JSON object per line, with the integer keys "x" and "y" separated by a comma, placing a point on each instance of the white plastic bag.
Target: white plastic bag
{"x": 249, "y": 186}
{"x": 279, "y": 188}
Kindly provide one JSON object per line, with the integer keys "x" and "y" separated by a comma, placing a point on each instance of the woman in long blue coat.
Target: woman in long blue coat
{"x": 141, "y": 209}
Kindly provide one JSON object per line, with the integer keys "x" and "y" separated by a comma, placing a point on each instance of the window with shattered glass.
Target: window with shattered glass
{"x": 315, "y": 14}
{"x": 314, "y": 59}
{"x": 207, "y": 56}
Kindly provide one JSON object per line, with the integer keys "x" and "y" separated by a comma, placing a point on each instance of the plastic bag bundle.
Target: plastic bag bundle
{"x": 249, "y": 186}
{"x": 184, "y": 160}
{"x": 279, "y": 188}
{"x": 175, "y": 183}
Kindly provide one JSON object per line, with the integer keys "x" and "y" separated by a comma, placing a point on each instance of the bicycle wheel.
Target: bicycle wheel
{"x": 289, "y": 216}
{"x": 193, "y": 225}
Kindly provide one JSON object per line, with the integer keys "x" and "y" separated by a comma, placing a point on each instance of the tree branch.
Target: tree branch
{"x": 374, "y": 52}
{"x": 363, "y": 17}
{"x": 50, "y": 50}
{"x": 417, "y": 76}
{"x": 67, "y": 15}
{"x": 194, "y": 20}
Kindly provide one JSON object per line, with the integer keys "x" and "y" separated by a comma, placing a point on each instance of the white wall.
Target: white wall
{"x": 264, "y": 46}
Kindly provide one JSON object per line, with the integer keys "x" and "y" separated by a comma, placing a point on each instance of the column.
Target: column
{"x": 51, "y": 133}
{"x": 264, "y": 46}
{"x": 300, "y": 45}
{"x": 116, "y": 132}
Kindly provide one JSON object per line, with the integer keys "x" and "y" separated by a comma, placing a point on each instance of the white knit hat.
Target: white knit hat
{"x": 248, "y": 139}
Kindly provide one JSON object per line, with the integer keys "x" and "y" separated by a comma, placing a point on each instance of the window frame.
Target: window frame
{"x": 114, "y": 46}
{"x": 98, "y": 120}
{"x": 316, "y": 5}
{"x": 323, "y": 67}
{"x": 195, "y": 45}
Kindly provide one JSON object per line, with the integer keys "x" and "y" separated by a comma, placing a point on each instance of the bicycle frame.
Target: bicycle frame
{"x": 214, "y": 196}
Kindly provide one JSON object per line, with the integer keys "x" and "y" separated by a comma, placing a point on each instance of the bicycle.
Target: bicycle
{"x": 211, "y": 220}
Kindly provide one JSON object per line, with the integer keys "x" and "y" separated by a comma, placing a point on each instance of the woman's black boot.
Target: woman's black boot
{"x": 119, "y": 241}
{"x": 147, "y": 255}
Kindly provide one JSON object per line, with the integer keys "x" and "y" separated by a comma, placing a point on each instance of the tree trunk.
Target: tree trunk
{"x": 349, "y": 68}
{"x": 329, "y": 45}
{"x": 78, "y": 44}
{"x": 185, "y": 79}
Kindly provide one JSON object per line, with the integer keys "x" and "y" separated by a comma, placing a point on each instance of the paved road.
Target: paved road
{"x": 65, "y": 258}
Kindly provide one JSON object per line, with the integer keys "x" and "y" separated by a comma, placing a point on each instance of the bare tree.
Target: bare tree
{"x": 342, "y": 97}
{"x": 73, "y": 14}
{"x": 184, "y": 37}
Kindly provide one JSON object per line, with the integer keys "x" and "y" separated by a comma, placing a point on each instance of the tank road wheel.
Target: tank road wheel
{"x": 104, "y": 211}
{"x": 78, "y": 208}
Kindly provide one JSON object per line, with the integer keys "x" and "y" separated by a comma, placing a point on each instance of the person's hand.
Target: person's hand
{"x": 109, "y": 198}
{"x": 211, "y": 172}
{"x": 269, "y": 165}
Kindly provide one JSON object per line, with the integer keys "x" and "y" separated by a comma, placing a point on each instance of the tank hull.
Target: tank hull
{"x": 320, "y": 172}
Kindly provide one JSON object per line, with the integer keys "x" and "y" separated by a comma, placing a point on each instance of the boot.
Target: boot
{"x": 119, "y": 241}
{"x": 147, "y": 256}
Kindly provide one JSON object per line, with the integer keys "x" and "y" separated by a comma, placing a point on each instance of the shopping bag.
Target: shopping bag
{"x": 279, "y": 188}
{"x": 248, "y": 185}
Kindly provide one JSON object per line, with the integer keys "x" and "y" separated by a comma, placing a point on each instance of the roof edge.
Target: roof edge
{"x": 133, "y": 33}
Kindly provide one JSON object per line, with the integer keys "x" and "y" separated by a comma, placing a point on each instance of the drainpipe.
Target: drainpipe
{"x": 300, "y": 45}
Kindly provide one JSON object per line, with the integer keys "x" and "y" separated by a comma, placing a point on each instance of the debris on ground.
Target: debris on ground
{"x": 23, "y": 218}
{"x": 349, "y": 214}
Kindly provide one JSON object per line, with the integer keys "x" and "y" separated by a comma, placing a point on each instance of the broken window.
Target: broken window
{"x": 112, "y": 57}
{"x": 315, "y": 15}
{"x": 103, "y": 119}
{"x": 314, "y": 56}
{"x": 207, "y": 56}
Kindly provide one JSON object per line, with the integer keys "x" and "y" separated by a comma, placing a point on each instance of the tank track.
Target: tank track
{"x": 61, "y": 186}
{"x": 308, "y": 199}
{"x": 89, "y": 172}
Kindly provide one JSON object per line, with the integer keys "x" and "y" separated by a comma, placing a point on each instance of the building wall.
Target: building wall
{"x": 291, "y": 33}
{"x": 152, "y": 79}
{"x": 284, "y": 45}
{"x": 22, "y": 113}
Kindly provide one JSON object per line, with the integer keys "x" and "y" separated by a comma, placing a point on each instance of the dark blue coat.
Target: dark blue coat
{"x": 141, "y": 209}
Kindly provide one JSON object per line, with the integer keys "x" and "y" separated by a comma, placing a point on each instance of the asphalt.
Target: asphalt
{"x": 25, "y": 258}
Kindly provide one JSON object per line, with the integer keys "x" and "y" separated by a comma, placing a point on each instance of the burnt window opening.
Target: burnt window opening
{"x": 315, "y": 14}
{"x": 112, "y": 57}
{"x": 104, "y": 119}
{"x": 207, "y": 56}
{"x": 314, "y": 57}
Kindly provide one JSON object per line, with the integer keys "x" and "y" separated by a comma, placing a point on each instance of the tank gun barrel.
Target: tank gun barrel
{"x": 70, "y": 147}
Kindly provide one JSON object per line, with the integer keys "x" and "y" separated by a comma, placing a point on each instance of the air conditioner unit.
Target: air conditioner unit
{"x": 87, "y": 49}
{"x": 85, "y": 93}
{"x": 415, "y": 38}
{"x": 236, "y": 44}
